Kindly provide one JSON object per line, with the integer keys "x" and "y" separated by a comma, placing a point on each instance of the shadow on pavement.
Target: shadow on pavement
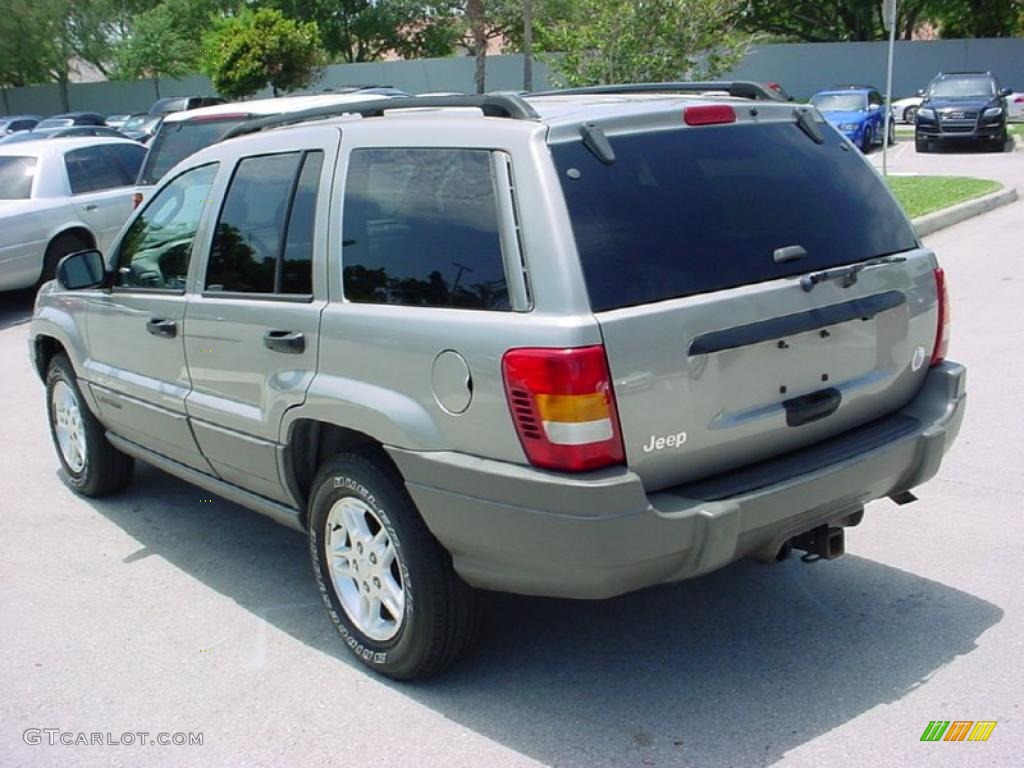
{"x": 735, "y": 668}
{"x": 16, "y": 307}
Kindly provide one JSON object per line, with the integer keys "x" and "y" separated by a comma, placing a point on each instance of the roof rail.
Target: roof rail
{"x": 491, "y": 105}
{"x": 739, "y": 88}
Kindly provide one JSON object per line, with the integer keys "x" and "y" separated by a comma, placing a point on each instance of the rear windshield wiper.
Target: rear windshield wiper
{"x": 847, "y": 275}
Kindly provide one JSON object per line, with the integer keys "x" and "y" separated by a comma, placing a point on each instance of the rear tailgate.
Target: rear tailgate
{"x": 718, "y": 354}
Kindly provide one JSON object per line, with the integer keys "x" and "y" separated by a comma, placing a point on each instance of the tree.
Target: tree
{"x": 622, "y": 41}
{"x": 248, "y": 52}
{"x": 162, "y": 43}
{"x": 832, "y": 20}
{"x": 366, "y": 30}
{"x": 979, "y": 18}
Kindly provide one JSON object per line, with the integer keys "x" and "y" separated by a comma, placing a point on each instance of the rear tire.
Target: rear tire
{"x": 57, "y": 250}
{"x": 910, "y": 115}
{"x": 388, "y": 585}
{"x": 90, "y": 464}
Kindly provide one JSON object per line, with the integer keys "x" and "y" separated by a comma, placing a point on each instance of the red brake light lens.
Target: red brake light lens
{"x": 942, "y": 331}
{"x": 563, "y": 406}
{"x": 709, "y": 114}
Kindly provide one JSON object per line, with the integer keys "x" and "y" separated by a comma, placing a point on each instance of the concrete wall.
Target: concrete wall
{"x": 803, "y": 69}
{"x": 806, "y": 68}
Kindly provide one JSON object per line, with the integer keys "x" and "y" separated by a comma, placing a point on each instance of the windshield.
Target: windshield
{"x": 689, "y": 211}
{"x": 176, "y": 141}
{"x": 134, "y": 123}
{"x": 839, "y": 102}
{"x": 963, "y": 88}
{"x": 16, "y": 175}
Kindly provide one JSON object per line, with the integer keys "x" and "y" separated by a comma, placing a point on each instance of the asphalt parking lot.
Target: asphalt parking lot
{"x": 162, "y": 610}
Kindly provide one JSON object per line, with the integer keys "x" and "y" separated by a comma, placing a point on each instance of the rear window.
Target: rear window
{"x": 16, "y": 174}
{"x": 177, "y": 140}
{"x": 688, "y": 211}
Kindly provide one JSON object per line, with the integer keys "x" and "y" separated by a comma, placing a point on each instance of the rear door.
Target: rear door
{"x": 100, "y": 179}
{"x": 693, "y": 244}
{"x": 251, "y": 333}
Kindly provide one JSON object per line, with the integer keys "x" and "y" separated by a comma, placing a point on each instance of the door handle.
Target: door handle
{"x": 160, "y": 327}
{"x": 90, "y": 206}
{"x": 291, "y": 342}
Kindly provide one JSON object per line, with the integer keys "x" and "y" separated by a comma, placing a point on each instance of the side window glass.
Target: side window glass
{"x": 247, "y": 241}
{"x": 90, "y": 171}
{"x": 297, "y": 264}
{"x": 155, "y": 250}
{"x": 420, "y": 228}
{"x": 126, "y": 158}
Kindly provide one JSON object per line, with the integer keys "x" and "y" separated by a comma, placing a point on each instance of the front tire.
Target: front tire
{"x": 91, "y": 465}
{"x": 922, "y": 145}
{"x": 910, "y": 115}
{"x": 388, "y": 585}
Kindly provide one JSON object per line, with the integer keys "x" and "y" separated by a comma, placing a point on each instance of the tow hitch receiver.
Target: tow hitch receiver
{"x": 823, "y": 542}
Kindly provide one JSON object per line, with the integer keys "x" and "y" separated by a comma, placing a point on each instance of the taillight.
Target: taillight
{"x": 563, "y": 407}
{"x": 136, "y": 200}
{"x": 942, "y": 331}
{"x": 709, "y": 114}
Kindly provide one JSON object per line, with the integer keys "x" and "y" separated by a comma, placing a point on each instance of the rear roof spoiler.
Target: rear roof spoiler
{"x": 492, "y": 105}
{"x": 743, "y": 89}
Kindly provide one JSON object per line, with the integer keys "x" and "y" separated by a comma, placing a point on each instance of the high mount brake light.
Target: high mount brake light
{"x": 563, "y": 407}
{"x": 709, "y": 114}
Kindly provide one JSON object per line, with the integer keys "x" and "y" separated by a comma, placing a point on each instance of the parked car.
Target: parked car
{"x": 14, "y": 123}
{"x": 857, "y": 112}
{"x": 182, "y": 104}
{"x": 905, "y": 110}
{"x": 961, "y": 107}
{"x": 58, "y": 197}
{"x": 62, "y": 133}
{"x": 142, "y": 127}
{"x": 1015, "y": 107}
{"x": 69, "y": 119}
{"x": 116, "y": 121}
{"x": 575, "y": 347}
{"x": 182, "y": 133}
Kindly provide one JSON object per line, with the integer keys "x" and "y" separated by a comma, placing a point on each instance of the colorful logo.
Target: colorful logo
{"x": 958, "y": 730}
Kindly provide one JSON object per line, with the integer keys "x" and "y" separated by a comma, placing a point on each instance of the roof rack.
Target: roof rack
{"x": 492, "y": 105}
{"x": 738, "y": 88}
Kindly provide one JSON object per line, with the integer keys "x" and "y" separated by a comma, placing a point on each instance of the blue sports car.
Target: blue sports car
{"x": 857, "y": 112}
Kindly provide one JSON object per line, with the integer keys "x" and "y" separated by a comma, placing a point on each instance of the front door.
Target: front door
{"x": 251, "y": 329}
{"x": 137, "y": 370}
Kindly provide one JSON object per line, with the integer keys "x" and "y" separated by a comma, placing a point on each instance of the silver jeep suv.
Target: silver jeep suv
{"x": 571, "y": 344}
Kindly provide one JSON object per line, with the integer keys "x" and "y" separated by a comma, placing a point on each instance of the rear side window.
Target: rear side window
{"x": 90, "y": 169}
{"x": 16, "y": 175}
{"x": 420, "y": 228}
{"x": 177, "y": 140}
{"x": 127, "y": 158}
{"x": 264, "y": 237}
{"x": 688, "y": 211}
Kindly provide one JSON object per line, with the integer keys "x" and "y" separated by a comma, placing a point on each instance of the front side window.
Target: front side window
{"x": 420, "y": 228}
{"x": 156, "y": 249}
{"x": 264, "y": 237}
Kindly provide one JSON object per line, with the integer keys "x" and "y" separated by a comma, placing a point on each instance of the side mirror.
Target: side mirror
{"x": 920, "y": 91}
{"x": 1004, "y": 92}
{"x": 84, "y": 269}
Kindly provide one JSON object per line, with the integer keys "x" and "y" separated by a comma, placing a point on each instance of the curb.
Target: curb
{"x": 947, "y": 217}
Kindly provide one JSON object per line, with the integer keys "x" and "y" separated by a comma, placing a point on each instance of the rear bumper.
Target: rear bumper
{"x": 517, "y": 529}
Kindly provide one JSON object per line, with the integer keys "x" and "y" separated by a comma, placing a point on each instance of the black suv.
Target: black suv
{"x": 962, "y": 106}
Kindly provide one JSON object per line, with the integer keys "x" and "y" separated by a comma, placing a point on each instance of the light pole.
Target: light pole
{"x": 889, "y": 22}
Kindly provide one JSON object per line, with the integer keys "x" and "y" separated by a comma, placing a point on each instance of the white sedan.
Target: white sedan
{"x": 905, "y": 110}
{"x": 1015, "y": 107}
{"x": 58, "y": 196}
